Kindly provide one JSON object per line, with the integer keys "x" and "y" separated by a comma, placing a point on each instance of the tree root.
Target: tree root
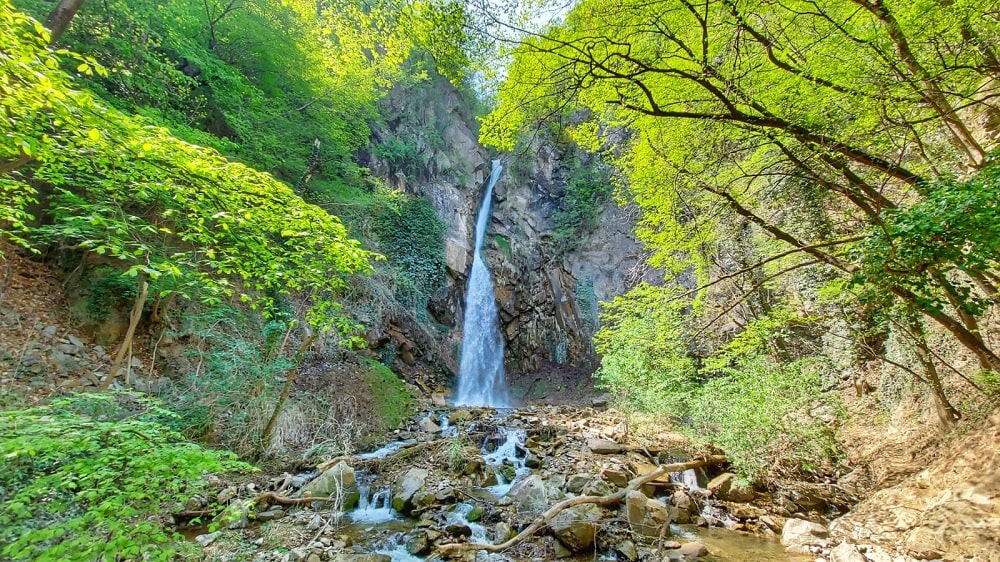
{"x": 611, "y": 499}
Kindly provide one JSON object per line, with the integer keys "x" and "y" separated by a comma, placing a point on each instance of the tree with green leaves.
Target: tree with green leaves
{"x": 180, "y": 219}
{"x": 745, "y": 104}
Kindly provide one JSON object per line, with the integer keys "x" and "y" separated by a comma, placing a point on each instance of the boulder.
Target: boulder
{"x": 627, "y": 550}
{"x": 406, "y": 487}
{"x": 616, "y": 476}
{"x": 427, "y": 425}
{"x": 338, "y": 482}
{"x": 576, "y": 527}
{"x": 726, "y": 487}
{"x": 205, "y": 540}
{"x": 604, "y": 447}
{"x": 501, "y": 532}
{"x": 799, "y": 534}
{"x": 693, "y": 550}
{"x": 529, "y": 495}
{"x": 577, "y": 482}
{"x": 646, "y": 516}
{"x": 846, "y": 552}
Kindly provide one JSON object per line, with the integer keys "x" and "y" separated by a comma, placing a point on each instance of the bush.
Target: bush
{"x": 89, "y": 477}
{"x": 645, "y": 359}
{"x": 753, "y": 412}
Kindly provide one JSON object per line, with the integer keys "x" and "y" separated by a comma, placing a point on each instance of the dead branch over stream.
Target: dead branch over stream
{"x": 611, "y": 499}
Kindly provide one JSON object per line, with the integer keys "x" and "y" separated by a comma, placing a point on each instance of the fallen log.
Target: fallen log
{"x": 611, "y": 499}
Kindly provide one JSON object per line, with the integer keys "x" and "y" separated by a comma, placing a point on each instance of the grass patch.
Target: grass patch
{"x": 393, "y": 403}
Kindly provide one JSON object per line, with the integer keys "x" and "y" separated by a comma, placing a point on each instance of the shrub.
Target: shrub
{"x": 88, "y": 477}
{"x": 753, "y": 411}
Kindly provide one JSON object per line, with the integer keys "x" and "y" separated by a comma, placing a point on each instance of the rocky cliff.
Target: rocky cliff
{"x": 547, "y": 293}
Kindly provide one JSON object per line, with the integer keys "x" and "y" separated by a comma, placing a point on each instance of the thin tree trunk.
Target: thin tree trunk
{"x": 60, "y": 18}
{"x": 272, "y": 423}
{"x": 133, "y": 322}
{"x": 946, "y": 412}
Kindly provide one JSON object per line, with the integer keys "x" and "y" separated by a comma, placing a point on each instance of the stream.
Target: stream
{"x": 378, "y": 528}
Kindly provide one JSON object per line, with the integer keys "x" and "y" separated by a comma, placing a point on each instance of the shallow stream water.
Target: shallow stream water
{"x": 377, "y": 525}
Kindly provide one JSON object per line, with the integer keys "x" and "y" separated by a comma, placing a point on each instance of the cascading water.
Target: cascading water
{"x": 481, "y": 375}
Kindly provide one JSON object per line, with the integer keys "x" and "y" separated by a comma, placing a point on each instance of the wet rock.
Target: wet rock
{"x": 459, "y": 530}
{"x": 338, "y": 482}
{"x": 406, "y": 487}
{"x": 799, "y": 534}
{"x": 693, "y": 549}
{"x": 460, "y": 415}
{"x": 646, "y": 516}
{"x": 846, "y": 552}
{"x": 726, "y": 487}
{"x": 205, "y": 540}
{"x": 501, "y": 532}
{"x": 604, "y": 447}
{"x": 418, "y": 544}
{"x": 427, "y": 425}
{"x": 530, "y": 495}
{"x": 346, "y": 557}
{"x": 576, "y": 527}
{"x": 531, "y": 460}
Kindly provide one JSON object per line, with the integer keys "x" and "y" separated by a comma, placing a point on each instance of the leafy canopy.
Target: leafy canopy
{"x": 154, "y": 204}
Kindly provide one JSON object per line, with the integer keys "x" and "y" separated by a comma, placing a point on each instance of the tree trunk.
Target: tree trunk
{"x": 946, "y": 412}
{"x": 272, "y": 423}
{"x": 60, "y": 18}
{"x": 133, "y": 322}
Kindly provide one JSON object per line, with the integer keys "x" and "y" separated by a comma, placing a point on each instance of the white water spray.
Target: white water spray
{"x": 481, "y": 375}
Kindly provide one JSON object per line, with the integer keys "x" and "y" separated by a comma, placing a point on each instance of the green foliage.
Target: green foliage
{"x": 411, "y": 236}
{"x": 393, "y": 403}
{"x": 744, "y": 398}
{"x": 954, "y": 227}
{"x": 456, "y": 451}
{"x": 88, "y": 477}
{"x": 504, "y": 244}
{"x": 109, "y": 290}
{"x": 161, "y": 207}
{"x": 645, "y": 358}
{"x": 588, "y": 190}
{"x": 754, "y": 412}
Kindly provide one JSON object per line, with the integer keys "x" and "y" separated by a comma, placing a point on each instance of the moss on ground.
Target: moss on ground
{"x": 393, "y": 402}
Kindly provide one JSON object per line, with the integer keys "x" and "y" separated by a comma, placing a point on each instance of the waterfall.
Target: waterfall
{"x": 481, "y": 375}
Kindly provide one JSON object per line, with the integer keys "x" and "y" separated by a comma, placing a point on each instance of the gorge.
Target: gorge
{"x": 357, "y": 280}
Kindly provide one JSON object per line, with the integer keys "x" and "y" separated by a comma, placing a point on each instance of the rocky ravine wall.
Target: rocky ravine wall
{"x": 543, "y": 318}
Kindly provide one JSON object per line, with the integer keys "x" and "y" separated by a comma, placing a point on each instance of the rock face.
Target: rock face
{"x": 337, "y": 481}
{"x": 576, "y": 527}
{"x": 930, "y": 515}
{"x": 646, "y": 516}
{"x": 546, "y": 296}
